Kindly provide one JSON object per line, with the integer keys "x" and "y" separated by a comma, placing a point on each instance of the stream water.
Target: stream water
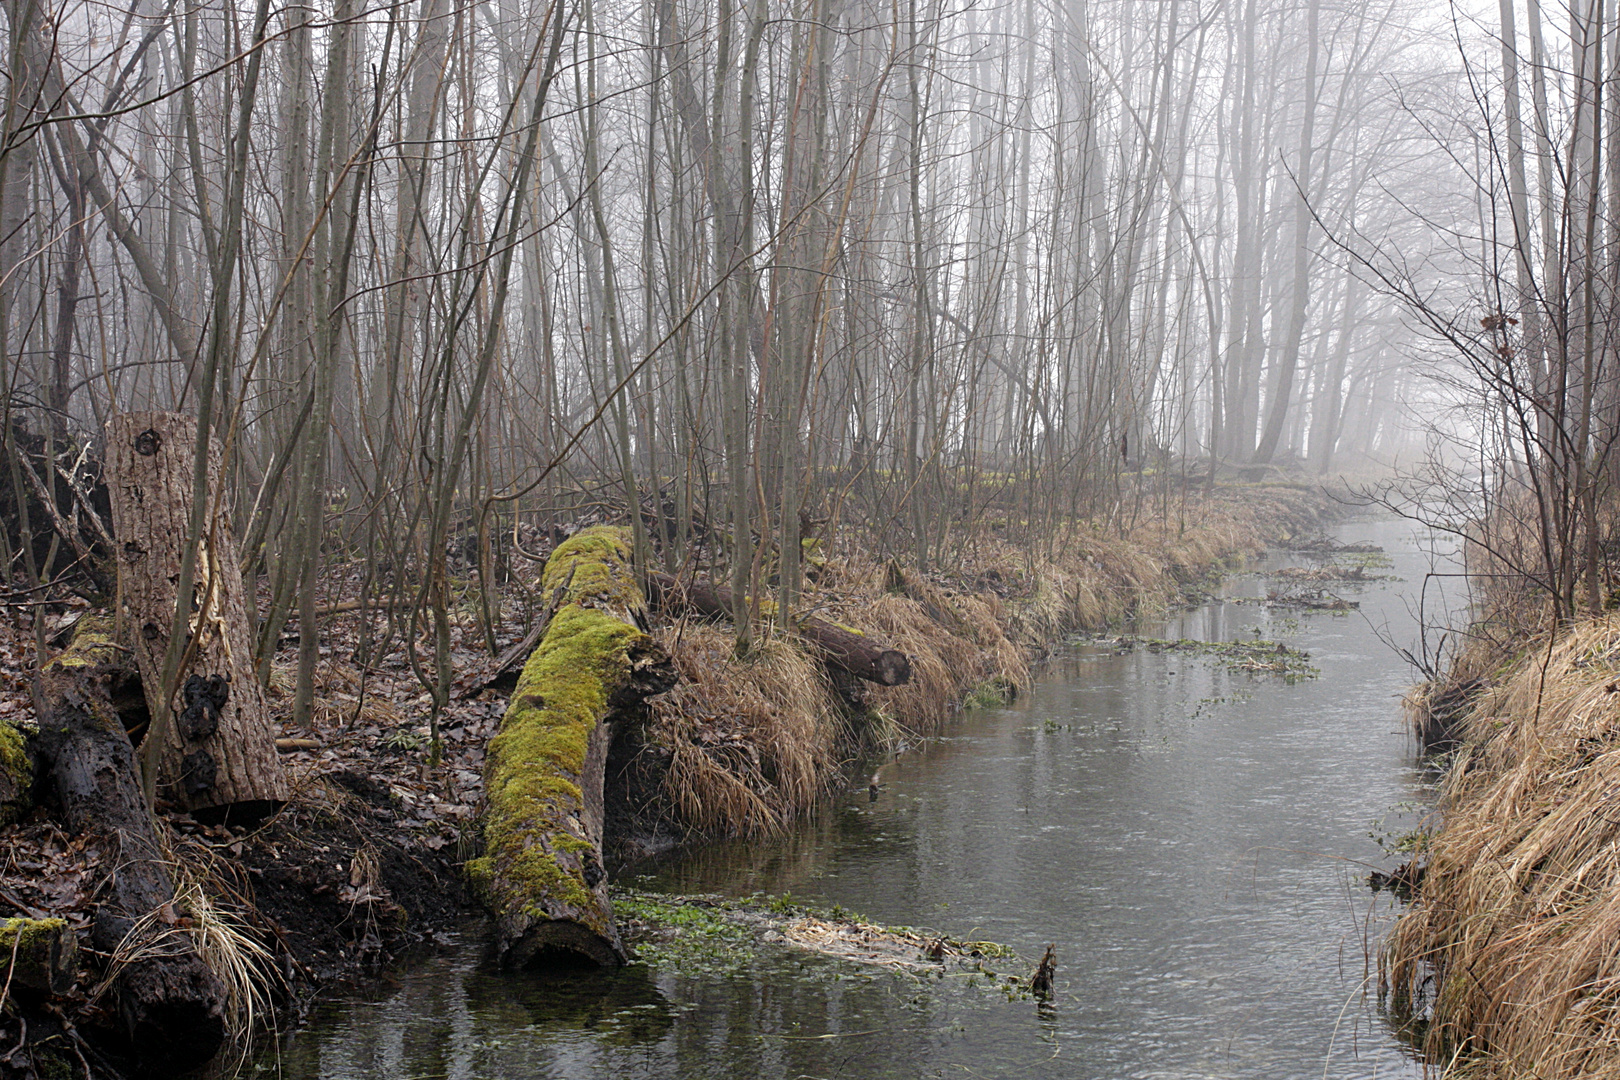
{"x": 1195, "y": 842}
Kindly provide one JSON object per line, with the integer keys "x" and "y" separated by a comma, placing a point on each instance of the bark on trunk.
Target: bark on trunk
{"x": 219, "y": 754}
{"x": 541, "y": 874}
{"x": 171, "y": 1003}
{"x": 40, "y": 955}
{"x": 839, "y": 647}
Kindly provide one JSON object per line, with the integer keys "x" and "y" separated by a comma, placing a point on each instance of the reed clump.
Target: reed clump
{"x": 1510, "y": 950}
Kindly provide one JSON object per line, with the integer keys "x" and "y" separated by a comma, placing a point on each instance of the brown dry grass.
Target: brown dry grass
{"x": 1513, "y": 942}
{"x": 756, "y": 742}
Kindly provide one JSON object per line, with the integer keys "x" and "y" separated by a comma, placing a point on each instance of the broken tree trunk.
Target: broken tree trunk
{"x": 171, "y": 1003}
{"x": 541, "y": 871}
{"x": 41, "y": 955}
{"x": 218, "y": 755}
{"x": 839, "y": 646}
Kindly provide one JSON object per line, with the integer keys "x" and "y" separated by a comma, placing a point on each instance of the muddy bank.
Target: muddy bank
{"x": 365, "y": 862}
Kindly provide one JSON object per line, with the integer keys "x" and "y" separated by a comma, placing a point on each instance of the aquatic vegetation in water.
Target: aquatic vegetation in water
{"x": 718, "y": 935}
{"x": 1388, "y": 831}
{"x": 1346, "y": 568}
{"x": 1253, "y": 656}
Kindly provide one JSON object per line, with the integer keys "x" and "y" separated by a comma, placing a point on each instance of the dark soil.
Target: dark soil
{"x": 335, "y": 886}
{"x": 330, "y": 878}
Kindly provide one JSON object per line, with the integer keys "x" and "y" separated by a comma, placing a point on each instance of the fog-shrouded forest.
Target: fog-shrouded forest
{"x": 623, "y": 422}
{"x": 766, "y": 269}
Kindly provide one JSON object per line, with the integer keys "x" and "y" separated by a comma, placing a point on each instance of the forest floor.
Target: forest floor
{"x": 363, "y": 864}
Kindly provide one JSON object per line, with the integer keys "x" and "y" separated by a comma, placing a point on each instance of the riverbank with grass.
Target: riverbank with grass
{"x": 747, "y": 745}
{"x": 1505, "y": 963}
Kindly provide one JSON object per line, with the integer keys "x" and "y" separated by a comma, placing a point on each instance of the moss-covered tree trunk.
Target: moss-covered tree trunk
{"x": 16, "y": 773}
{"x": 218, "y": 751}
{"x": 541, "y": 871}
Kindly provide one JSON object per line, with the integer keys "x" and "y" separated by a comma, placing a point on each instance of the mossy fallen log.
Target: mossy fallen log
{"x": 41, "y": 955}
{"x": 839, "y": 647}
{"x": 16, "y": 773}
{"x": 541, "y": 872}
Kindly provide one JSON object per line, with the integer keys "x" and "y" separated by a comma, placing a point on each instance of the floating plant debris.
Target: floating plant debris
{"x": 1253, "y": 656}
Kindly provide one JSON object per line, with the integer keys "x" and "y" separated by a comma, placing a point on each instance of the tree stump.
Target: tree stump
{"x": 218, "y": 756}
{"x": 541, "y": 872}
{"x": 171, "y": 1003}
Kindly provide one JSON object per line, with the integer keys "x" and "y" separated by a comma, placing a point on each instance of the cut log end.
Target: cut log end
{"x": 554, "y": 942}
{"x": 894, "y": 667}
{"x": 173, "y": 1012}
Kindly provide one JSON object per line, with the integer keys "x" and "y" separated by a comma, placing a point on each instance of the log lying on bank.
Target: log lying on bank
{"x": 541, "y": 872}
{"x": 219, "y": 753}
{"x": 838, "y": 646}
{"x": 16, "y": 773}
{"x": 38, "y": 955}
{"x": 171, "y": 1003}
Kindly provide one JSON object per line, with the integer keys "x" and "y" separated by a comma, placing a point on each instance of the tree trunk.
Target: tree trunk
{"x": 839, "y": 647}
{"x": 16, "y": 773}
{"x": 41, "y": 955}
{"x": 541, "y": 874}
{"x": 218, "y": 754}
{"x": 171, "y": 1003}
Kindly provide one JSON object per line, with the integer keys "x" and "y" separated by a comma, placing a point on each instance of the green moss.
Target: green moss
{"x": 42, "y": 948}
{"x": 812, "y": 553}
{"x": 990, "y": 694}
{"x": 17, "y": 770}
{"x": 594, "y": 564}
{"x": 93, "y": 643}
{"x": 30, "y": 931}
{"x": 534, "y": 860}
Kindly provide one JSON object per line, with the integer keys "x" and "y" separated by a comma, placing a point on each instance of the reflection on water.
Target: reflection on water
{"x": 1195, "y": 842}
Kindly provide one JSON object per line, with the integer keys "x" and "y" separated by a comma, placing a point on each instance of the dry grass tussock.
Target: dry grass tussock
{"x": 754, "y": 741}
{"x": 203, "y": 917}
{"x": 1513, "y": 941}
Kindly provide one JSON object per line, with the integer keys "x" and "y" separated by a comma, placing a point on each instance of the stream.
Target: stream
{"x": 1195, "y": 841}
